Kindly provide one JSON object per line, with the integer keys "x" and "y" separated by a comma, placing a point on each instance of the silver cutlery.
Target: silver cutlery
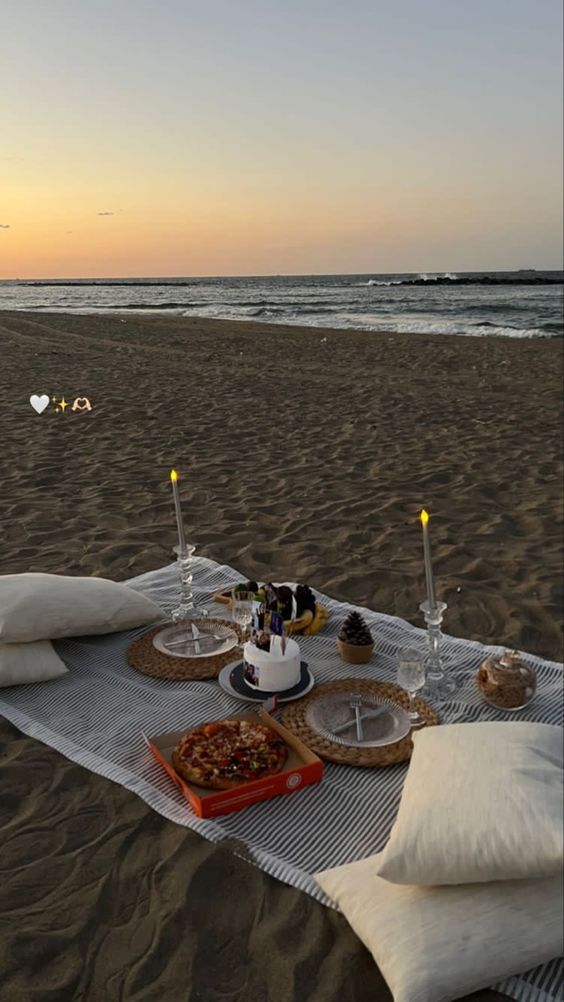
{"x": 363, "y": 716}
{"x": 196, "y": 639}
{"x": 196, "y": 635}
{"x": 356, "y": 703}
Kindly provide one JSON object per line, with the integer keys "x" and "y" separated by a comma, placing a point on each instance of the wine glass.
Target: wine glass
{"x": 411, "y": 677}
{"x": 242, "y": 610}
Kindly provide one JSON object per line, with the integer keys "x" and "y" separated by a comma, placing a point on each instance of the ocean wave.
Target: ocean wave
{"x": 432, "y": 277}
{"x": 492, "y": 323}
{"x": 377, "y": 281}
{"x": 275, "y": 303}
{"x": 552, "y": 328}
{"x": 336, "y": 319}
{"x": 341, "y": 320}
{"x": 548, "y": 329}
{"x": 233, "y": 311}
{"x": 408, "y": 325}
{"x": 461, "y": 329}
{"x": 124, "y": 283}
{"x": 112, "y": 307}
{"x": 147, "y": 306}
{"x": 422, "y": 277}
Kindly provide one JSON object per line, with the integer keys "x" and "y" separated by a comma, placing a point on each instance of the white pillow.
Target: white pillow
{"x": 481, "y": 801}
{"x": 23, "y": 663}
{"x": 46, "y": 606}
{"x": 438, "y": 944}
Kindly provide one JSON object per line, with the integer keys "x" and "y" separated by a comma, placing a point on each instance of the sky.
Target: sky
{"x": 248, "y": 137}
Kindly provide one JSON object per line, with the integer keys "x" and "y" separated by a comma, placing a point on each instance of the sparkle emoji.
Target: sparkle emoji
{"x": 81, "y": 404}
{"x": 61, "y": 405}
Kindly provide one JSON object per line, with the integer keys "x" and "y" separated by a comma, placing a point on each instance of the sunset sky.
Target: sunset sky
{"x": 279, "y": 136}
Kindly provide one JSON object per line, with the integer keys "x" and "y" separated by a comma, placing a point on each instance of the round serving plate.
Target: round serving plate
{"x": 144, "y": 656}
{"x": 232, "y": 680}
{"x": 293, "y": 716}
{"x": 333, "y": 717}
{"x": 186, "y": 640}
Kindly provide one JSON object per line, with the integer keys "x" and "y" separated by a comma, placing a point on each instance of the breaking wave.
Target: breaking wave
{"x": 377, "y": 281}
{"x": 432, "y": 277}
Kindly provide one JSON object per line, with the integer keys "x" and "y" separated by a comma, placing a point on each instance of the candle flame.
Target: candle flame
{"x": 173, "y": 476}
{"x": 424, "y": 516}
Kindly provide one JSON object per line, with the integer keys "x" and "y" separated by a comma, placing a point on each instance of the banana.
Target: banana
{"x": 299, "y": 625}
{"x": 318, "y": 621}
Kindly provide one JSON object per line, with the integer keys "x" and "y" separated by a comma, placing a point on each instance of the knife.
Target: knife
{"x": 196, "y": 635}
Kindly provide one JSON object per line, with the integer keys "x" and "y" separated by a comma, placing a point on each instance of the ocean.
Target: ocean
{"x": 524, "y": 304}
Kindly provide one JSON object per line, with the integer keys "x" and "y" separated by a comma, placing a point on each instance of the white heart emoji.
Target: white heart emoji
{"x": 39, "y": 403}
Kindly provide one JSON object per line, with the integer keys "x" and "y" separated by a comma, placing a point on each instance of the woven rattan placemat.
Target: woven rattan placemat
{"x": 144, "y": 657}
{"x": 294, "y": 718}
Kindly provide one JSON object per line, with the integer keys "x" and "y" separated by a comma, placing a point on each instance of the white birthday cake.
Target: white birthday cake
{"x": 272, "y": 671}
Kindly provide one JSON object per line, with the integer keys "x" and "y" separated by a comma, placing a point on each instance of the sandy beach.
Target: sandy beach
{"x": 306, "y": 456}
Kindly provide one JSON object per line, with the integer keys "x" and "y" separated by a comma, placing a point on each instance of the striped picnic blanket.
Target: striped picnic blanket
{"x": 94, "y": 715}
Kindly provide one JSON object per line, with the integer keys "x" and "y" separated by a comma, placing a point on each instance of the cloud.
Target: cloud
{"x": 4, "y": 226}
{"x": 105, "y": 213}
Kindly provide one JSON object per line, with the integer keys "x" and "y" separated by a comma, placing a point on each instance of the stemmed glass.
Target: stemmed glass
{"x": 411, "y": 677}
{"x": 242, "y": 610}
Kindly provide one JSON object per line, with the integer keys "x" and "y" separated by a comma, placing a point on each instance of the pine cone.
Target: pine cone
{"x": 355, "y": 631}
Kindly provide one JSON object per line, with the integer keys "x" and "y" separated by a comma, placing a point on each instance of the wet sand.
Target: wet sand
{"x": 304, "y": 459}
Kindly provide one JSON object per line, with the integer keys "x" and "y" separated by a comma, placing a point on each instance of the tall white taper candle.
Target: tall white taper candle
{"x": 179, "y": 523}
{"x": 428, "y": 565}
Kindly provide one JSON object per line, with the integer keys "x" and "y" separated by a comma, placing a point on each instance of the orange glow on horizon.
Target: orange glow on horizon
{"x": 195, "y": 145}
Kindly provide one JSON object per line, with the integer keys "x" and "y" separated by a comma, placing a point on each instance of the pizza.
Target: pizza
{"x": 226, "y": 753}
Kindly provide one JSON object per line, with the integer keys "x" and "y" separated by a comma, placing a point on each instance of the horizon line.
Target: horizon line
{"x": 306, "y": 274}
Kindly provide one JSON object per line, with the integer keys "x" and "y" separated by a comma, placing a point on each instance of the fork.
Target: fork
{"x": 205, "y": 636}
{"x": 377, "y": 712}
{"x": 356, "y": 703}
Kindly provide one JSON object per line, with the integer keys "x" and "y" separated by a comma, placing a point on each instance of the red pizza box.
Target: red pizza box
{"x": 302, "y": 768}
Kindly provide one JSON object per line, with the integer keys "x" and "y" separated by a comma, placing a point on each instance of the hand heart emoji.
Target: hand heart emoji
{"x": 82, "y": 404}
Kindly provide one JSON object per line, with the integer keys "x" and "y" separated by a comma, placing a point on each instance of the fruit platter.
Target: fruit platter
{"x": 295, "y": 603}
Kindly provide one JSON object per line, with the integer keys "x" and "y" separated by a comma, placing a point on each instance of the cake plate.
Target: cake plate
{"x": 232, "y": 680}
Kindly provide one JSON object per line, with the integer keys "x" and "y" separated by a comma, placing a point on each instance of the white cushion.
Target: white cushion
{"x": 46, "y": 606}
{"x": 481, "y": 801}
{"x": 24, "y": 663}
{"x": 438, "y": 944}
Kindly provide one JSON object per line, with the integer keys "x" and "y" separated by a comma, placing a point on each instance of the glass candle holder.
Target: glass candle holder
{"x": 185, "y": 608}
{"x": 438, "y": 684}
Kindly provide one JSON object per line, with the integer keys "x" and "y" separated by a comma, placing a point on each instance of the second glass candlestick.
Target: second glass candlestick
{"x": 438, "y": 684}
